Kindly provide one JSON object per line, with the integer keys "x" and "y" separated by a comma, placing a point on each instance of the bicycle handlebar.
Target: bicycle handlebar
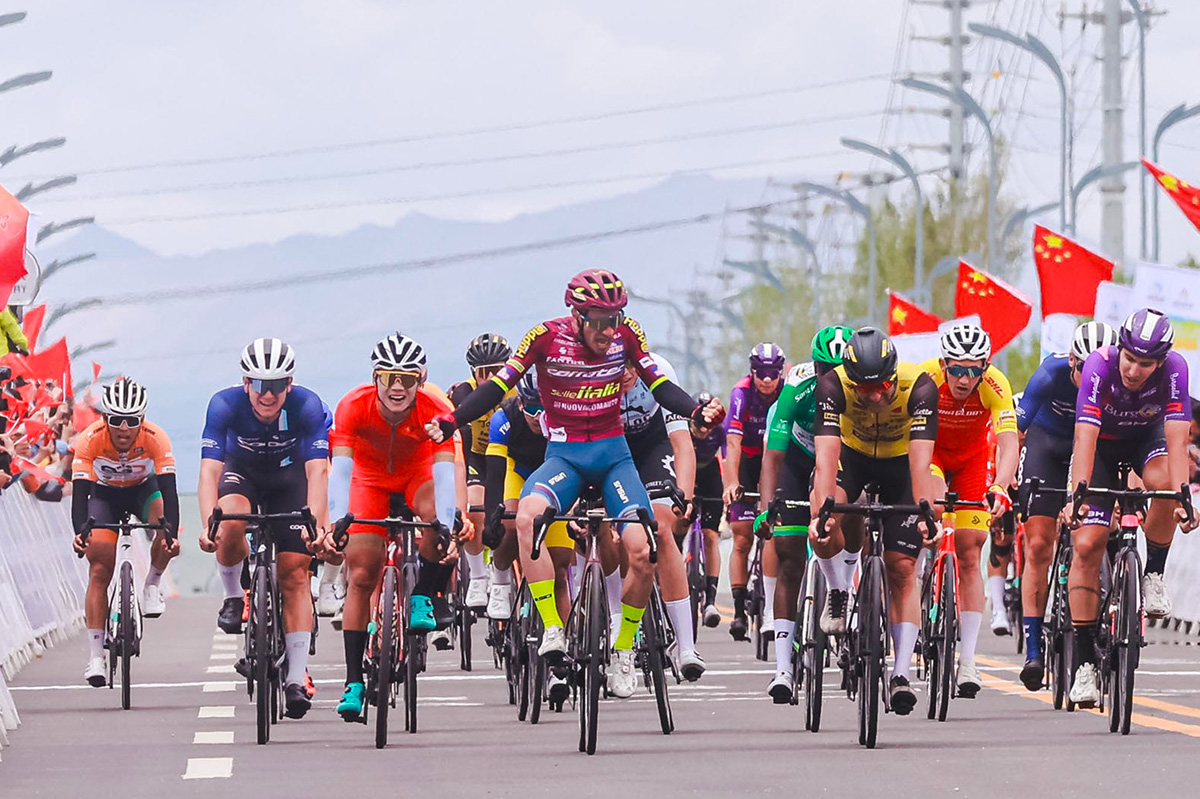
{"x": 341, "y": 528}
{"x": 1083, "y": 492}
{"x": 304, "y": 516}
{"x": 829, "y": 507}
{"x": 126, "y": 528}
{"x": 593, "y": 518}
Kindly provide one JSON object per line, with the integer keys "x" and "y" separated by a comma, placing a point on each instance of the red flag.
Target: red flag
{"x": 905, "y": 316}
{"x": 37, "y": 432}
{"x": 95, "y": 372}
{"x": 19, "y": 465}
{"x": 32, "y": 325}
{"x": 1003, "y": 311}
{"x": 1185, "y": 195}
{"x": 52, "y": 363}
{"x": 1069, "y": 273}
{"x": 83, "y": 416}
{"x": 16, "y": 363}
{"x": 14, "y": 223}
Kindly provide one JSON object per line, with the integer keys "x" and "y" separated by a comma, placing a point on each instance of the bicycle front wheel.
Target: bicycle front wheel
{"x": 872, "y": 628}
{"x": 815, "y": 642}
{"x": 126, "y": 631}
{"x": 931, "y": 617}
{"x": 656, "y": 653}
{"x": 595, "y": 638}
{"x": 948, "y": 610}
{"x": 1129, "y": 640}
{"x": 386, "y": 653}
{"x": 261, "y": 619}
{"x": 412, "y": 654}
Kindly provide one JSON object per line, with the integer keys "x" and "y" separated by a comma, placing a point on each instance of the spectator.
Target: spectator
{"x": 12, "y": 338}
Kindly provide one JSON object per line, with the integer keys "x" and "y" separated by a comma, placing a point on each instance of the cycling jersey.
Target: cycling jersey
{"x": 475, "y": 434}
{"x": 747, "y": 415}
{"x": 911, "y": 415}
{"x": 963, "y": 426}
{"x": 1049, "y": 399}
{"x": 511, "y": 437}
{"x": 792, "y": 418}
{"x": 1120, "y": 413}
{"x": 381, "y": 450}
{"x": 96, "y": 458}
{"x": 709, "y": 447}
{"x": 640, "y": 411}
{"x": 232, "y": 433}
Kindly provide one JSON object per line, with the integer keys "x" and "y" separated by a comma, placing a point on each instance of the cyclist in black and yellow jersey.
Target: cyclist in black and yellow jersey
{"x": 486, "y": 354}
{"x": 878, "y": 417}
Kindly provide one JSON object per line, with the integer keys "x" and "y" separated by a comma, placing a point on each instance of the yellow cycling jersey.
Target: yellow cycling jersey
{"x": 478, "y": 429}
{"x": 911, "y": 414}
{"x": 963, "y": 427}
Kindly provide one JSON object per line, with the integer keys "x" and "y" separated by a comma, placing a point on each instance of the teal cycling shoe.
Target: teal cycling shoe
{"x": 420, "y": 614}
{"x": 351, "y": 706}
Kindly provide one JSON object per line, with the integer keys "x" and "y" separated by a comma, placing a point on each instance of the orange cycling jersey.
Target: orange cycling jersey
{"x": 963, "y": 427}
{"x": 96, "y": 458}
{"x": 382, "y": 449}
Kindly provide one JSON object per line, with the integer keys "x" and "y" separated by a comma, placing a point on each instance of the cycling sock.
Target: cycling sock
{"x": 971, "y": 621}
{"x": 904, "y": 641}
{"x": 296, "y": 645}
{"x": 784, "y": 630}
{"x": 631, "y": 619}
{"x": 769, "y": 600}
{"x": 612, "y": 592}
{"x": 96, "y": 643}
{"x": 444, "y": 573}
{"x": 710, "y": 590}
{"x": 154, "y": 576}
{"x": 543, "y": 597}
{"x": 1033, "y": 637}
{"x": 848, "y": 563}
{"x": 476, "y": 565}
{"x": 428, "y": 573}
{"x": 329, "y": 574}
{"x": 834, "y": 571}
{"x": 739, "y": 600}
{"x": 996, "y": 592}
{"x": 355, "y": 643}
{"x": 231, "y": 580}
{"x": 502, "y": 576}
{"x": 679, "y": 611}
{"x": 1085, "y": 643}
{"x": 1156, "y": 557}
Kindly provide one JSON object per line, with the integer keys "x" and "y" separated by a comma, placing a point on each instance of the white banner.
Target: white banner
{"x": 920, "y": 347}
{"x": 1114, "y": 302}
{"x": 1057, "y": 331}
{"x": 1176, "y": 292}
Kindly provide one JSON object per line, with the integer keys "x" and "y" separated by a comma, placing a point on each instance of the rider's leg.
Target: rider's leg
{"x": 473, "y": 547}
{"x": 791, "y": 547}
{"x": 232, "y": 548}
{"x": 160, "y": 553}
{"x": 969, "y": 544}
{"x": 295, "y": 588}
{"x": 1040, "y": 534}
{"x": 561, "y": 557}
{"x": 1083, "y": 582}
{"x": 1160, "y": 517}
{"x": 770, "y": 569}
{"x": 739, "y": 563}
{"x": 905, "y": 608}
{"x": 365, "y": 556}
{"x": 101, "y": 557}
{"x": 636, "y": 591}
{"x": 672, "y": 579}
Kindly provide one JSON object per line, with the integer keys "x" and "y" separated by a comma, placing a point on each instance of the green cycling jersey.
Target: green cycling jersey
{"x": 792, "y": 418}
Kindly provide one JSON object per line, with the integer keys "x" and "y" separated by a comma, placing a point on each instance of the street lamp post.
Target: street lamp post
{"x": 1091, "y": 176}
{"x": 857, "y": 206}
{"x": 691, "y": 359}
{"x": 30, "y": 189}
{"x": 28, "y": 79}
{"x": 1173, "y": 117}
{"x": 56, "y": 265}
{"x": 1143, "y": 22}
{"x": 58, "y": 227}
{"x": 1020, "y": 217}
{"x": 69, "y": 308}
{"x": 14, "y": 152}
{"x": 86, "y": 349}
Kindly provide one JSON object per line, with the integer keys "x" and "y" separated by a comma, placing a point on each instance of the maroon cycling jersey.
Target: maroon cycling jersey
{"x": 581, "y": 392}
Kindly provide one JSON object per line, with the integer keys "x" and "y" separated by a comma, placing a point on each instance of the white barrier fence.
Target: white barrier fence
{"x": 41, "y": 587}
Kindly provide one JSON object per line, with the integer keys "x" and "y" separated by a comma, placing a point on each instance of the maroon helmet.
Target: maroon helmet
{"x": 596, "y": 289}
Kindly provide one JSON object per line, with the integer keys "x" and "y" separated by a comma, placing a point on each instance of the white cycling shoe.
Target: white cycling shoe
{"x": 96, "y": 673}
{"x": 477, "y": 593}
{"x": 969, "y": 682}
{"x": 1154, "y": 595}
{"x": 328, "y": 603}
{"x": 622, "y": 678}
{"x": 500, "y": 602}
{"x": 1000, "y": 622}
{"x": 780, "y": 689}
{"x": 153, "y": 603}
{"x": 1085, "y": 690}
{"x": 554, "y": 642}
{"x": 691, "y": 666}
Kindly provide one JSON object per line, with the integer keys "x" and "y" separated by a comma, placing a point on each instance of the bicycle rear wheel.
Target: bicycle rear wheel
{"x": 1128, "y": 642}
{"x": 126, "y": 631}
{"x": 261, "y": 619}
{"x": 871, "y": 647}
{"x": 464, "y": 618}
{"x": 412, "y": 654}
{"x": 537, "y": 670}
{"x": 595, "y": 641}
{"x": 386, "y": 654}
{"x": 930, "y": 648}
{"x": 948, "y": 611}
{"x": 656, "y": 652}
{"x": 813, "y": 660}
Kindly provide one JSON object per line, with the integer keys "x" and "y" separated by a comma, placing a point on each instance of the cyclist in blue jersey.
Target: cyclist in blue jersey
{"x": 1046, "y": 424}
{"x": 265, "y": 449}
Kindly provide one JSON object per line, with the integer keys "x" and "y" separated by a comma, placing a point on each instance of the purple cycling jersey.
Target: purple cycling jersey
{"x": 708, "y": 447}
{"x": 747, "y": 415}
{"x": 1104, "y": 401}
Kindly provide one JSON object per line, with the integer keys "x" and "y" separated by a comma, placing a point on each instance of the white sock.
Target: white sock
{"x": 679, "y": 611}
{"x": 832, "y": 569}
{"x": 329, "y": 574}
{"x": 996, "y": 592}
{"x": 848, "y": 563}
{"x": 96, "y": 643}
{"x": 231, "y": 578}
{"x": 612, "y": 587}
{"x": 296, "y": 645}
{"x": 476, "y": 565}
{"x": 904, "y": 641}
{"x": 769, "y": 599}
{"x": 502, "y": 576}
{"x": 784, "y": 630}
{"x": 154, "y": 576}
{"x": 970, "y": 621}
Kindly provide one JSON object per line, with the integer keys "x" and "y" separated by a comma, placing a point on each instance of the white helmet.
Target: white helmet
{"x": 398, "y": 352}
{"x": 123, "y": 398}
{"x": 966, "y": 343}
{"x": 268, "y": 359}
{"x": 1091, "y": 336}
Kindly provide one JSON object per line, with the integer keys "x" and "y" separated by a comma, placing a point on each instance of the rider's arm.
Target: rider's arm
{"x": 1008, "y": 456}
{"x": 212, "y": 454}
{"x": 206, "y": 490}
{"x": 772, "y": 457}
{"x": 81, "y": 491}
{"x": 445, "y": 493}
{"x": 827, "y": 440}
{"x": 317, "y": 472}
{"x": 314, "y": 449}
{"x": 1178, "y": 418}
{"x": 458, "y": 393}
{"x": 497, "y": 460}
{"x": 1088, "y": 416}
{"x": 1177, "y": 435}
{"x": 1036, "y": 391}
{"x": 922, "y": 434}
{"x": 733, "y": 439}
{"x": 660, "y": 380}
{"x": 1083, "y": 453}
{"x": 685, "y": 461}
{"x": 1004, "y": 422}
{"x": 169, "y": 487}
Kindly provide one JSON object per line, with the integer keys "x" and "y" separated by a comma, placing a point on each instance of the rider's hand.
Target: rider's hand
{"x": 705, "y": 417}
{"x": 172, "y": 545}
{"x": 1067, "y": 518}
{"x": 1182, "y": 520}
{"x": 207, "y": 544}
{"x": 762, "y": 525}
{"x": 468, "y": 531}
{"x": 79, "y": 545}
{"x": 441, "y": 427}
{"x": 732, "y": 494}
{"x": 998, "y": 501}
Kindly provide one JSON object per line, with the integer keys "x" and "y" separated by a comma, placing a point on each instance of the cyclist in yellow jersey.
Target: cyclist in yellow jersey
{"x": 876, "y": 422}
{"x": 973, "y": 396}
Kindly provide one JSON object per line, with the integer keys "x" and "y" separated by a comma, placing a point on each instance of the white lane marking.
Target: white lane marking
{"x": 213, "y": 737}
{"x": 219, "y": 687}
{"x": 209, "y": 768}
{"x": 225, "y": 669}
{"x": 216, "y": 712}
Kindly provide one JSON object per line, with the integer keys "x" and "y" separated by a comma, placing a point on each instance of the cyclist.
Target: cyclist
{"x": 1046, "y": 422}
{"x": 707, "y": 503}
{"x": 265, "y": 447}
{"x": 745, "y": 427}
{"x": 1132, "y": 407}
{"x": 877, "y": 422}
{"x": 486, "y": 355}
{"x": 123, "y": 465}
{"x": 973, "y": 395}
{"x": 580, "y": 359}
{"x": 661, "y": 445}
{"x": 380, "y": 449}
{"x": 788, "y": 465}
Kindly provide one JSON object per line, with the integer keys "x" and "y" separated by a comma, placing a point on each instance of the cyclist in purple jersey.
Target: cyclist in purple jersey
{"x": 580, "y": 360}
{"x": 1132, "y": 408}
{"x": 745, "y": 430}
{"x": 709, "y": 506}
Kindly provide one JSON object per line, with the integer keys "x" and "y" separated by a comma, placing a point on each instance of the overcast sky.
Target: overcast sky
{"x": 140, "y": 84}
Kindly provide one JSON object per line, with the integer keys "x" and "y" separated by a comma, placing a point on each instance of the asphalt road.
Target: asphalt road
{"x": 191, "y": 733}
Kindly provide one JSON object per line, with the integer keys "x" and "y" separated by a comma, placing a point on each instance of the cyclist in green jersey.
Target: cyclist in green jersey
{"x": 788, "y": 462}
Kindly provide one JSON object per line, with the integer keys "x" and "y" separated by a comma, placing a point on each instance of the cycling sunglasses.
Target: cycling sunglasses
{"x": 877, "y": 387}
{"x": 966, "y": 371}
{"x": 122, "y": 420}
{"x": 532, "y": 411}
{"x": 276, "y": 386}
{"x": 600, "y": 322}
{"x": 388, "y": 378}
{"x": 483, "y": 373}
{"x": 766, "y": 374}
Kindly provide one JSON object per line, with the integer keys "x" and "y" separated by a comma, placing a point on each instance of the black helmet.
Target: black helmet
{"x": 870, "y": 357}
{"x": 488, "y": 349}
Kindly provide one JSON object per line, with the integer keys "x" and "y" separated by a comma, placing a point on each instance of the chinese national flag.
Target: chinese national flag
{"x": 14, "y": 221}
{"x": 905, "y": 316}
{"x": 31, "y": 326}
{"x": 1003, "y": 311}
{"x": 1185, "y": 195}
{"x": 1069, "y": 274}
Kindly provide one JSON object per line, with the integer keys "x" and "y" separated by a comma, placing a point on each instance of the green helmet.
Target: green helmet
{"x": 829, "y": 343}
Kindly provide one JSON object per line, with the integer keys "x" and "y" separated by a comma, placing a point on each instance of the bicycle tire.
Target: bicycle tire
{"x": 815, "y": 645}
{"x": 464, "y": 651}
{"x": 948, "y": 610}
{"x": 260, "y": 614}
{"x": 1128, "y": 641}
{"x": 537, "y": 689}
{"x": 695, "y": 591}
{"x": 656, "y": 655}
{"x": 930, "y": 648}
{"x": 871, "y": 651}
{"x": 595, "y": 635}
{"x": 411, "y": 653}
{"x": 386, "y": 654}
{"x": 127, "y": 632}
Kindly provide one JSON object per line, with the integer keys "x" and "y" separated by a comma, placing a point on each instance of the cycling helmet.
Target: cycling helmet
{"x": 268, "y": 359}
{"x": 596, "y": 289}
{"x": 1147, "y": 334}
{"x": 399, "y": 353}
{"x": 1091, "y": 336}
{"x": 829, "y": 344}
{"x": 966, "y": 343}
{"x": 527, "y": 389}
{"x": 488, "y": 349}
{"x": 123, "y": 398}
{"x": 767, "y": 354}
{"x": 869, "y": 356}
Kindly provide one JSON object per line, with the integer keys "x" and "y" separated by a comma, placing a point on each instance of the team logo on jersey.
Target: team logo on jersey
{"x": 527, "y": 342}
{"x": 668, "y": 463}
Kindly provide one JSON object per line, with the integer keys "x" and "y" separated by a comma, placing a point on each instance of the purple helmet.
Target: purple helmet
{"x": 767, "y": 356}
{"x": 1147, "y": 334}
{"x": 596, "y": 289}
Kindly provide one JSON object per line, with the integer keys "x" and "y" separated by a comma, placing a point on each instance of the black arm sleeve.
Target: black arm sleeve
{"x": 50, "y": 491}
{"x": 675, "y": 399}
{"x": 831, "y": 404}
{"x": 81, "y": 492}
{"x": 923, "y": 408}
{"x": 493, "y": 484}
{"x": 458, "y": 393}
{"x": 170, "y": 495}
{"x": 479, "y": 402}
